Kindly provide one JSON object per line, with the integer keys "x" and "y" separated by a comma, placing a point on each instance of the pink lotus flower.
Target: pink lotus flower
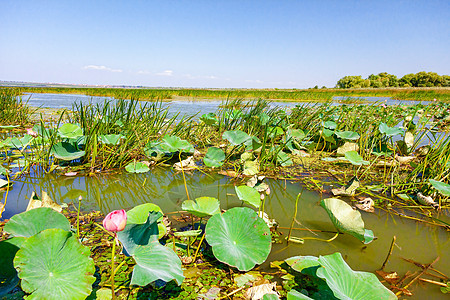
{"x": 115, "y": 221}
{"x": 31, "y": 132}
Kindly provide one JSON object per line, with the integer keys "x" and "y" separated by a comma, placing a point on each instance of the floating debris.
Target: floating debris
{"x": 426, "y": 200}
{"x": 366, "y": 205}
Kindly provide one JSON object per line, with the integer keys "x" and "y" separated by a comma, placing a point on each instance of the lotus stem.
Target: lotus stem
{"x": 112, "y": 267}
{"x": 198, "y": 248}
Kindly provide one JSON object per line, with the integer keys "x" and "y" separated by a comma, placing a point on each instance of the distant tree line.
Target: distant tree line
{"x": 384, "y": 80}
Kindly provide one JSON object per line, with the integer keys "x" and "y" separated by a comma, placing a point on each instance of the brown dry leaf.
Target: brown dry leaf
{"x": 186, "y": 260}
{"x": 46, "y": 202}
{"x": 229, "y": 173}
{"x": 391, "y": 277}
{"x": 257, "y": 292}
{"x": 366, "y": 204}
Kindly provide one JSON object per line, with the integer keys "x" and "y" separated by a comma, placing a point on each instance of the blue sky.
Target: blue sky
{"x": 220, "y": 44}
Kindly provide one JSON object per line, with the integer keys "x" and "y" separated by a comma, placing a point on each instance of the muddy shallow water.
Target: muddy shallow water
{"x": 165, "y": 188}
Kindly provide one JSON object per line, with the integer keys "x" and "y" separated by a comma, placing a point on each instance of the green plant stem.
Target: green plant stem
{"x": 113, "y": 294}
{"x": 198, "y": 248}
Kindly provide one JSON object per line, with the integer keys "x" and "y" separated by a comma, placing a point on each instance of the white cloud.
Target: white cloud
{"x": 165, "y": 73}
{"x": 143, "y": 72}
{"x": 253, "y": 81}
{"x": 101, "y": 68}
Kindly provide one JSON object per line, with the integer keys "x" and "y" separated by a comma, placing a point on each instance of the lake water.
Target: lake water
{"x": 165, "y": 188}
{"x": 186, "y": 106}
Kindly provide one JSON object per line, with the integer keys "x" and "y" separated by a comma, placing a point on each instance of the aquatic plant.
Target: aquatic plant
{"x": 336, "y": 279}
{"x": 239, "y": 238}
{"x": 49, "y": 259}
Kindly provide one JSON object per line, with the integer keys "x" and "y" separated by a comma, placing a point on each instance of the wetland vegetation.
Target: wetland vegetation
{"x": 391, "y": 158}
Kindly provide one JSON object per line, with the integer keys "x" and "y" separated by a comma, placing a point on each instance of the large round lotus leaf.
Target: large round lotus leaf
{"x": 139, "y": 215}
{"x": 236, "y": 137}
{"x": 137, "y": 167}
{"x": 348, "y": 284}
{"x": 214, "y": 157}
{"x": 248, "y": 195}
{"x": 346, "y": 219}
{"x": 347, "y": 135}
{"x": 54, "y": 265}
{"x": 66, "y": 151}
{"x": 29, "y": 223}
{"x": 202, "y": 207}
{"x": 8, "y": 275}
{"x": 153, "y": 262}
{"x": 70, "y": 131}
{"x": 239, "y": 238}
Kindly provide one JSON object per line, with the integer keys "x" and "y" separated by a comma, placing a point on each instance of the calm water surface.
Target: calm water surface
{"x": 165, "y": 188}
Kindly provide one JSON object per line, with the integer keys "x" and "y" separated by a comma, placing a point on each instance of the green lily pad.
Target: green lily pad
{"x": 202, "y": 206}
{"x": 214, "y": 157}
{"x": 304, "y": 264}
{"x": 330, "y": 125}
{"x": 347, "y": 135}
{"x": 53, "y": 265}
{"x": 296, "y": 295}
{"x": 188, "y": 233}
{"x": 390, "y": 131}
{"x": 236, "y": 137}
{"x": 8, "y": 274}
{"x": 172, "y": 144}
{"x": 70, "y": 131}
{"x": 348, "y": 284}
{"x": 137, "y": 167}
{"x": 153, "y": 260}
{"x": 442, "y": 187}
{"x": 248, "y": 195}
{"x": 251, "y": 167}
{"x": 29, "y": 223}
{"x": 239, "y": 238}
{"x": 66, "y": 151}
{"x": 209, "y": 119}
{"x": 139, "y": 215}
{"x": 283, "y": 159}
{"x": 355, "y": 158}
{"x": 346, "y": 219}
{"x": 111, "y": 139}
